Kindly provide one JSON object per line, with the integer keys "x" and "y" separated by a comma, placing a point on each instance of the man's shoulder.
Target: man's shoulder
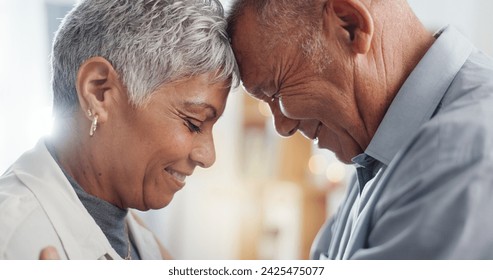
{"x": 458, "y": 135}
{"x": 463, "y": 128}
{"x": 470, "y": 95}
{"x": 457, "y": 140}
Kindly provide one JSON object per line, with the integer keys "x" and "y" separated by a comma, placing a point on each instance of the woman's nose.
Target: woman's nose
{"x": 204, "y": 153}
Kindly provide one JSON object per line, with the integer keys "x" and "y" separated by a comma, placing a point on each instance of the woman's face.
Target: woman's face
{"x": 156, "y": 147}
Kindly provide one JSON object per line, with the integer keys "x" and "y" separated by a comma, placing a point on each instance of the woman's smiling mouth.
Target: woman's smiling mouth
{"x": 178, "y": 176}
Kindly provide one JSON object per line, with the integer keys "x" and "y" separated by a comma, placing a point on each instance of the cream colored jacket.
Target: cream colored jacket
{"x": 39, "y": 207}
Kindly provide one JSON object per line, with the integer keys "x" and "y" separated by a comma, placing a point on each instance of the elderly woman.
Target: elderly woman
{"x": 138, "y": 86}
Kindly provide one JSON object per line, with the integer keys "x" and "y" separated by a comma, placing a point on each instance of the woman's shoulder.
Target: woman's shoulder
{"x": 15, "y": 198}
{"x": 26, "y": 228}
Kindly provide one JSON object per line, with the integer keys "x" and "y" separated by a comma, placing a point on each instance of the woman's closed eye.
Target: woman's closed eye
{"x": 193, "y": 125}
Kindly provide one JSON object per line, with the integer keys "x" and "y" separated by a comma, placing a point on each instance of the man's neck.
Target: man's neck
{"x": 395, "y": 52}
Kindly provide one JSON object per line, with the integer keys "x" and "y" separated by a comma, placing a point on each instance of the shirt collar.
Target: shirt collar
{"x": 420, "y": 95}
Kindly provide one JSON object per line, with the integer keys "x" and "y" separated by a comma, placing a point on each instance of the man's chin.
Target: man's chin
{"x": 344, "y": 160}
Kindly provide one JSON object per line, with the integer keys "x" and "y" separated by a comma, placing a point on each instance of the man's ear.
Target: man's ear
{"x": 354, "y": 20}
{"x": 97, "y": 87}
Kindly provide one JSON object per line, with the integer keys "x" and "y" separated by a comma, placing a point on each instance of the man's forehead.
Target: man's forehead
{"x": 250, "y": 59}
{"x": 254, "y": 60}
{"x": 246, "y": 32}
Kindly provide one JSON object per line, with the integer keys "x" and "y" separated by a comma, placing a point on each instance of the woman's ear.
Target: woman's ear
{"x": 351, "y": 18}
{"x": 97, "y": 84}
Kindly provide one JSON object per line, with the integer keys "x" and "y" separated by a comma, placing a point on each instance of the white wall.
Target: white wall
{"x": 474, "y": 18}
{"x": 25, "y": 102}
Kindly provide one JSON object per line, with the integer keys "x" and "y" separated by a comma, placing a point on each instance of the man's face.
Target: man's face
{"x": 310, "y": 94}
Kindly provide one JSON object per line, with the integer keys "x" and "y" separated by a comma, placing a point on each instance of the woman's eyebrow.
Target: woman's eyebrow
{"x": 194, "y": 106}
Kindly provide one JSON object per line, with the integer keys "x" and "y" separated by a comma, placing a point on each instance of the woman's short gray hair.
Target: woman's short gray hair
{"x": 148, "y": 42}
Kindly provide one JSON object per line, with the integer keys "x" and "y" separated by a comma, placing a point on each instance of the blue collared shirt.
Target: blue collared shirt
{"x": 424, "y": 186}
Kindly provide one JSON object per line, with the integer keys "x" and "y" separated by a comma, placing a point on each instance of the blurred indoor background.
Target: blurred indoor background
{"x": 265, "y": 197}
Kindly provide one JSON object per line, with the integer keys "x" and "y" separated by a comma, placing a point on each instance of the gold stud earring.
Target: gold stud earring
{"x": 94, "y": 125}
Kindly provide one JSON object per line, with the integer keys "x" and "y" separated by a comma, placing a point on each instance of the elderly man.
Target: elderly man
{"x": 411, "y": 110}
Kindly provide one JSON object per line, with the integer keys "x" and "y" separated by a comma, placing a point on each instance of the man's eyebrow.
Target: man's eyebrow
{"x": 259, "y": 93}
{"x": 255, "y": 92}
{"x": 212, "y": 111}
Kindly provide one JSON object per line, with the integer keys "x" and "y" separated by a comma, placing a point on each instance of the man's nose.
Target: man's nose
{"x": 284, "y": 125}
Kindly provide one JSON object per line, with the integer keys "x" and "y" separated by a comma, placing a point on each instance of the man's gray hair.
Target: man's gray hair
{"x": 286, "y": 21}
{"x": 148, "y": 42}
{"x": 279, "y": 15}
